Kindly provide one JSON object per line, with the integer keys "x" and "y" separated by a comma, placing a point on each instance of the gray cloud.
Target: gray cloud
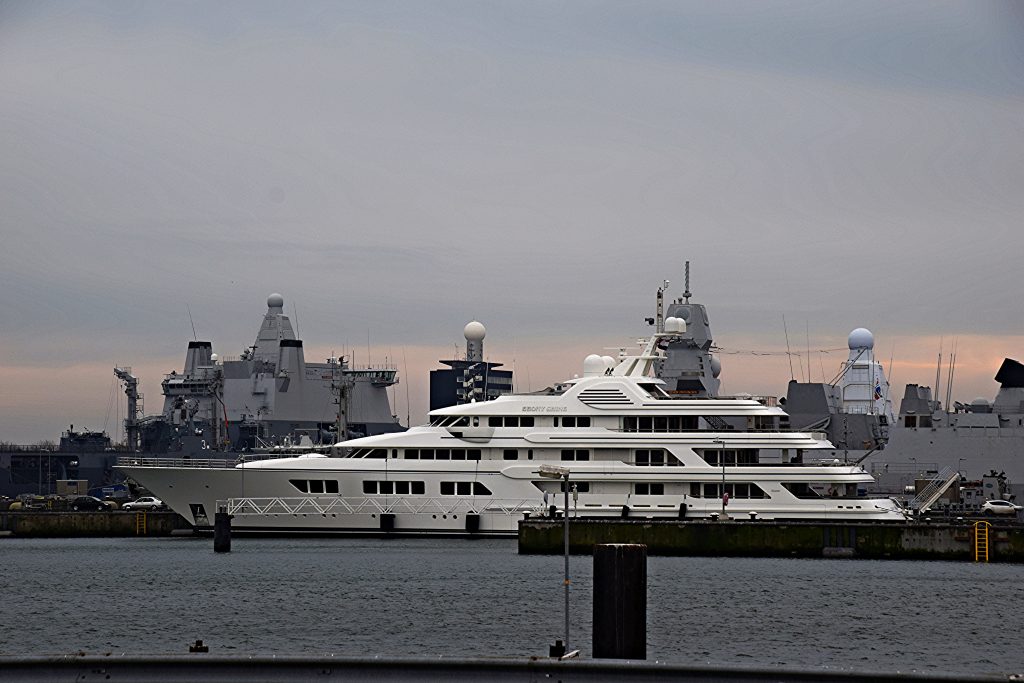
{"x": 395, "y": 169}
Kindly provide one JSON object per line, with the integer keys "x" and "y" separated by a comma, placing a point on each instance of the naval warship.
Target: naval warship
{"x": 267, "y": 400}
{"x": 980, "y": 443}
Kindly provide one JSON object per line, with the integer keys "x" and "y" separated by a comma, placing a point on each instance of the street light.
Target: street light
{"x": 556, "y": 472}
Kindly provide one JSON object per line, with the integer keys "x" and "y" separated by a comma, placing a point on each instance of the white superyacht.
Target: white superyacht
{"x": 626, "y": 446}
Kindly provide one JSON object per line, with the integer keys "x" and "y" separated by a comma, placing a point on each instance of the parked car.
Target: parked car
{"x": 1000, "y": 507}
{"x": 145, "y": 503}
{"x": 89, "y": 503}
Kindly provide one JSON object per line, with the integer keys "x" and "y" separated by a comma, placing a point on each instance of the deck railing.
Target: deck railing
{"x": 213, "y": 463}
{"x": 336, "y": 505}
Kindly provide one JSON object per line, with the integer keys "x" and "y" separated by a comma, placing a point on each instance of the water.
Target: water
{"x": 479, "y": 597}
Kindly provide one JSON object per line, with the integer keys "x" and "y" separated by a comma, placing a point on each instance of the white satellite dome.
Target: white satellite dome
{"x": 609, "y": 362}
{"x": 593, "y": 365}
{"x": 213, "y": 358}
{"x": 980, "y": 401}
{"x": 275, "y": 300}
{"x": 716, "y": 366}
{"x": 474, "y": 331}
{"x": 861, "y": 338}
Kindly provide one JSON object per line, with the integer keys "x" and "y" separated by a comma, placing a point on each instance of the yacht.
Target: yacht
{"x": 615, "y": 437}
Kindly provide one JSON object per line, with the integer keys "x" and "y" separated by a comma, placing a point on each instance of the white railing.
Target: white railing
{"x": 336, "y": 505}
{"x": 135, "y": 461}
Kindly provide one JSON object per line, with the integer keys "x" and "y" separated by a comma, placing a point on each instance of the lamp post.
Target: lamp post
{"x": 562, "y": 473}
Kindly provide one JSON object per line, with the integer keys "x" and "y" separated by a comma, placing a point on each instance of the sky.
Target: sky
{"x": 396, "y": 169}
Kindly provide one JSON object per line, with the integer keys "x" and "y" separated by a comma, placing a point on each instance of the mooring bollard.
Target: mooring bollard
{"x": 222, "y": 531}
{"x": 620, "y": 601}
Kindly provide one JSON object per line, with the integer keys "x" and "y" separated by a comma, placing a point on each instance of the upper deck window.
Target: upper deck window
{"x": 668, "y": 423}
{"x": 510, "y": 421}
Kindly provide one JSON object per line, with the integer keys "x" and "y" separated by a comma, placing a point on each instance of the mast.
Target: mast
{"x": 131, "y": 420}
{"x": 342, "y": 384}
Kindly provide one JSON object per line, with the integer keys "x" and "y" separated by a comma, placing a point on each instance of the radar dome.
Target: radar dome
{"x": 275, "y": 300}
{"x": 593, "y": 365}
{"x": 213, "y": 358}
{"x": 609, "y": 362}
{"x": 716, "y": 366}
{"x": 861, "y": 338}
{"x": 980, "y": 401}
{"x": 475, "y": 331}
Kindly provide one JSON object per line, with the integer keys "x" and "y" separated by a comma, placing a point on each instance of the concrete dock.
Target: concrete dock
{"x": 945, "y": 540}
{"x": 39, "y": 524}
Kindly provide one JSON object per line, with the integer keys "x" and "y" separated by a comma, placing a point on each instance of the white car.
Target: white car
{"x": 1000, "y": 507}
{"x": 144, "y": 503}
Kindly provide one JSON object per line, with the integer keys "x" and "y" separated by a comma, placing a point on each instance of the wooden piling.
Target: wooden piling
{"x": 620, "y": 601}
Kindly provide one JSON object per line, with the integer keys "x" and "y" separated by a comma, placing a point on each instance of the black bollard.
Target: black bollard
{"x": 222, "y": 532}
{"x": 620, "y": 601}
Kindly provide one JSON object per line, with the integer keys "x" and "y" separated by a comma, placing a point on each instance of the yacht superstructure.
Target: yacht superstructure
{"x": 631, "y": 448}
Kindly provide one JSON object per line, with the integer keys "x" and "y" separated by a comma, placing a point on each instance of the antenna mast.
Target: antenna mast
{"x": 788, "y": 354}
{"x": 686, "y": 291}
{"x": 195, "y": 337}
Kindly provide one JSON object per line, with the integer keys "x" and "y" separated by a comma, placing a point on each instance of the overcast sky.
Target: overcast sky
{"x": 397, "y": 169}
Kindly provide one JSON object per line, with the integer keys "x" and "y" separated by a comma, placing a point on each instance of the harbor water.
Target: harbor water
{"x": 480, "y": 598}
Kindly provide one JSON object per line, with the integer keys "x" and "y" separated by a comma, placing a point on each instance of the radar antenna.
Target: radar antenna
{"x": 686, "y": 292}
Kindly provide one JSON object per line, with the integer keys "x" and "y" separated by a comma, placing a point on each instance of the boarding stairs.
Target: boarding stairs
{"x": 716, "y": 423}
{"x": 934, "y": 490}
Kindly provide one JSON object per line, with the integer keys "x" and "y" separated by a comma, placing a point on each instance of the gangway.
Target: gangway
{"x": 935, "y": 488}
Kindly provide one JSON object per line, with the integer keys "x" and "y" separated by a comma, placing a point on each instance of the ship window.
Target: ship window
{"x": 526, "y": 421}
{"x": 576, "y": 421}
{"x": 575, "y": 454}
{"x": 494, "y": 422}
{"x": 743, "y": 490}
{"x": 386, "y": 487}
{"x": 331, "y": 486}
{"x": 644, "y": 489}
{"x": 464, "y": 488}
{"x": 419, "y": 488}
{"x": 402, "y": 488}
{"x": 650, "y": 457}
{"x": 910, "y": 421}
{"x": 801, "y": 490}
{"x": 394, "y": 452}
{"x": 529, "y": 454}
{"x": 473, "y": 454}
{"x": 458, "y": 454}
{"x": 462, "y": 422}
{"x": 301, "y": 484}
{"x": 426, "y": 454}
{"x": 556, "y": 420}
{"x": 412, "y": 454}
{"x": 377, "y": 453}
{"x": 316, "y": 486}
{"x": 443, "y": 454}
{"x": 511, "y": 454}
{"x": 369, "y": 487}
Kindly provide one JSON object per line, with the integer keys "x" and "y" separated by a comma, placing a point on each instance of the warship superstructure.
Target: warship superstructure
{"x": 268, "y": 397}
{"x": 981, "y": 441}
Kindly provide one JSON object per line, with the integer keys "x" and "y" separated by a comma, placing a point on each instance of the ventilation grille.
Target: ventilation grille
{"x": 605, "y": 397}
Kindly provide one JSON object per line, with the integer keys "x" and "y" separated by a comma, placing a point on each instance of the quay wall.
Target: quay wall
{"x": 33, "y": 524}
{"x": 917, "y": 541}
